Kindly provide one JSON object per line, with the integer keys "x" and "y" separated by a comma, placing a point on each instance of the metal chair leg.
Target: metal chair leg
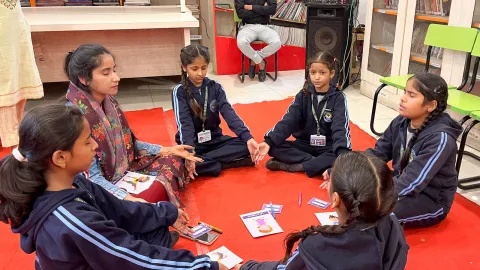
{"x": 374, "y": 110}
{"x": 461, "y": 152}
{"x": 241, "y": 76}
{"x": 274, "y": 77}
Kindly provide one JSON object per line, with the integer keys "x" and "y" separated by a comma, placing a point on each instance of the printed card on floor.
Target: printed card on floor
{"x": 319, "y": 203}
{"x": 329, "y": 218}
{"x": 277, "y": 208}
{"x": 200, "y": 230}
{"x": 261, "y": 223}
{"x": 135, "y": 183}
{"x": 224, "y": 256}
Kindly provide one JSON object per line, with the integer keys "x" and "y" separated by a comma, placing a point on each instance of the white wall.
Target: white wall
{"x": 362, "y": 11}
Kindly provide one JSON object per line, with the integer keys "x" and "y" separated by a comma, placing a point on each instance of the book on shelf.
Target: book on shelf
{"x": 391, "y": 4}
{"x": 415, "y": 68}
{"x": 434, "y": 7}
{"x": 25, "y": 3}
{"x": 49, "y": 3}
{"x": 418, "y": 38}
{"x": 136, "y": 3}
{"x": 291, "y": 35}
{"x": 106, "y": 2}
{"x": 78, "y": 3}
{"x": 291, "y": 10}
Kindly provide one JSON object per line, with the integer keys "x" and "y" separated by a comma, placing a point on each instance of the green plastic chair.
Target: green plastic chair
{"x": 241, "y": 76}
{"x": 442, "y": 36}
{"x": 468, "y": 105}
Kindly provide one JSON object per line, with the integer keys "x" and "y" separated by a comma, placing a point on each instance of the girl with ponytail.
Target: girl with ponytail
{"x": 317, "y": 118}
{"x": 421, "y": 142}
{"x": 367, "y": 236}
{"x": 198, "y": 103}
{"x": 72, "y": 223}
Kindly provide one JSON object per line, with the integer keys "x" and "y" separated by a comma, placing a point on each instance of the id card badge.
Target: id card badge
{"x": 204, "y": 136}
{"x": 318, "y": 140}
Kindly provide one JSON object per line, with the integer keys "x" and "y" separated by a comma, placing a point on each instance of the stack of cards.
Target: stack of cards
{"x": 224, "y": 256}
{"x": 200, "y": 230}
{"x": 277, "y": 208}
{"x": 135, "y": 183}
{"x": 319, "y": 203}
{"x": 329, "y": 218}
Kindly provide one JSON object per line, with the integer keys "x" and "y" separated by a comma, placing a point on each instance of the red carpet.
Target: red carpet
{"x": 220, "y": 201}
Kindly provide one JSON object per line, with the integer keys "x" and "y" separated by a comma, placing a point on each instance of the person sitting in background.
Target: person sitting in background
{"x": 255, "y": 15}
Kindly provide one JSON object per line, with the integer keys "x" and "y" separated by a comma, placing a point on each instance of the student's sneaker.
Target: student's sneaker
{"x": 275, "y": 165}
{"x": 244, "y": 162}
{"x": 251, "y": 71}
{"x": 175, "y": 236}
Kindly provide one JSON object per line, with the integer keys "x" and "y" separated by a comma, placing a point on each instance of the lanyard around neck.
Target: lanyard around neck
{"x": 314, "y": 100}
{"x": 205, "y": 109}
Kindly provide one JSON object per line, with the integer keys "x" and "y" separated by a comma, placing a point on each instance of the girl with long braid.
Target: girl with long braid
{"x": 317, "y": 118}
{"x": 368, "y": 236}
{"x": 422, "y": 143}
{"x": 198, "y": 103}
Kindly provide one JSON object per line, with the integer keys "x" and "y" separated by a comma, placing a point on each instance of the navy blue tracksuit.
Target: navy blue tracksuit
{"x": 362, "y": 247}
{"x": 427, "y": 186}
{"x": 88, "y": 228}
{"x": 221, "y": 149}
{"x": 300, "y": 122}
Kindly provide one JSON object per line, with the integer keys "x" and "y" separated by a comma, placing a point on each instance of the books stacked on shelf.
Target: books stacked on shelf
{"x": 106, "y": 2}
{"x": 25, "y": 3}
{"x": 291, "y": 36}
{"x": 418, "y": 38}
{"x": 291, "y": 10}
{"x": 78, "y": 3}
{"x": 49, "y": 3}
{"x": 136, "y": 3}
{"x": 387, "y": 70}
{"x": 434, "y": 7}
{"x": 416, "y": 68}
{"x": 391, "y": 4}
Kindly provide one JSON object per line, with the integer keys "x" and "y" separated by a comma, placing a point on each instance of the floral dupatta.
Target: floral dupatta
{"x": 109, "y": 129}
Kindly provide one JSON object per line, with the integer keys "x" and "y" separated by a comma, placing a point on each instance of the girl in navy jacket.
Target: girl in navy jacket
{"x": 72, "y": 223}
{"x": 317, "y": 118}
{"x": 198, "y": 103}
{"x": 422, "y": 143}
{"x": 367, "y": 237}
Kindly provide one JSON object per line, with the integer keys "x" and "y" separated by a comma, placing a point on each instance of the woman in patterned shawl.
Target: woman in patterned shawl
{"x": 93, "y": 83}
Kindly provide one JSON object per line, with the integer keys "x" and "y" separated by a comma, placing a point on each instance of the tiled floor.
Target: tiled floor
{"x": 140, "y": 94}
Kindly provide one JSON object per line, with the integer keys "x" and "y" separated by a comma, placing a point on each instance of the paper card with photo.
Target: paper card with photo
{"x": 135, "y": 183}
{"x": 328, "y": 218}
{"x": 261, "y": 223}
{"x": 225, "y": 256}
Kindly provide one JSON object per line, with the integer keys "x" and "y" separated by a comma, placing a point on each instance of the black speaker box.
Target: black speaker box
{"x": 328, "y": 30}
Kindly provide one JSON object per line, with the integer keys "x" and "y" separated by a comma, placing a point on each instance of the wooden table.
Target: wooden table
{"x": 146, "y": 41}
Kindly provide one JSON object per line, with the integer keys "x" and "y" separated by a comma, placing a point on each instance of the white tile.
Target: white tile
{"x": 245, "y": 98}
{"x": 162, "y": 99}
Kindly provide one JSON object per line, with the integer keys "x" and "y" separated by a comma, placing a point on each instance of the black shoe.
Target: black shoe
{"x": 175, "y": 236}
{"x": 244, "y": 162}
{"x": 251, "y": 71}
{"x": 262, "y": 73}
{"x": 275, "y": 165}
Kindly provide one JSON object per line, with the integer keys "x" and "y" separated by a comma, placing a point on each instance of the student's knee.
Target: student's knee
{"x": 276, "y": 44}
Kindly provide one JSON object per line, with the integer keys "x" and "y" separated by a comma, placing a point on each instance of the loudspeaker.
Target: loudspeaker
{"x": 328, "y": 30}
